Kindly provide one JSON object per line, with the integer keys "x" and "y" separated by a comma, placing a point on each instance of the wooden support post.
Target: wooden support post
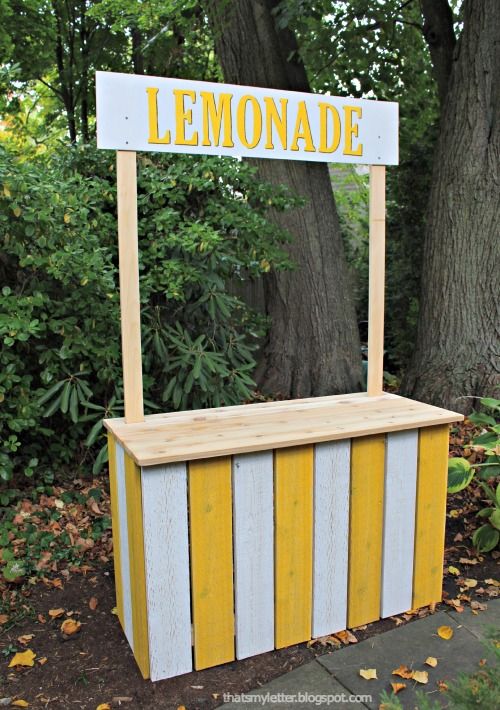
{"x": 376, "y": 281}
{"x": 128, "y": 251}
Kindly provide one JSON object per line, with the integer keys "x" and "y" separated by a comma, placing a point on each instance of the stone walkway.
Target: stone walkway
{"x": 337, "y": 673}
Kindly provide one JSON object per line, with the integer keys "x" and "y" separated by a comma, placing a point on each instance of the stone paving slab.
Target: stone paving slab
{"x": 409, "y": 645}
{"x": 337, "y": 673}
{"x": 478, "y": 624}
{"x": 311, "y": 678}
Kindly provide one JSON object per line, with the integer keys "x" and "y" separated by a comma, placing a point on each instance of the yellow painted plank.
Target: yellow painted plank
{"x": 293, "y": 499}
{"x": 115, "y": 520}
{"x": 366, "y": 515}
{"x": 137, "y": 565}
{"x": 211, "y": 534}
{"x": 207, "y": 433}
{"x": 430, "y": 515}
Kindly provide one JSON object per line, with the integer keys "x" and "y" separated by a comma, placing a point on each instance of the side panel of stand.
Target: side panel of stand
{"x": 269, "y": 549}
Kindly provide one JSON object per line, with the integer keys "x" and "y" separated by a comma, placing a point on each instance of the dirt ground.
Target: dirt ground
{"x": 96, "y": 666}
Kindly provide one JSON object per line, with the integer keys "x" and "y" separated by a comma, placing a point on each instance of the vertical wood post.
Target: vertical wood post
{"x": 376, "y": 281}
{"x": 128, "y": 252}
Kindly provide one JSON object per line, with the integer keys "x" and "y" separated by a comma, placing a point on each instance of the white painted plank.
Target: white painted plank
{"x": 253, "y": 553}
{"x": 331, "y": 533}
{"x": 166, "y": 548}
{"x": 124, "y": 548}
{"x": 399, "y": 522}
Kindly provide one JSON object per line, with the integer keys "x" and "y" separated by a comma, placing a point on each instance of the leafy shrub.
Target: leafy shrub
{"x": 461, "y": 472}
{"x": 202, "y": 223}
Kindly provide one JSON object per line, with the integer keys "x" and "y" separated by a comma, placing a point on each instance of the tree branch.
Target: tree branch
{"x": 440, "y": 37}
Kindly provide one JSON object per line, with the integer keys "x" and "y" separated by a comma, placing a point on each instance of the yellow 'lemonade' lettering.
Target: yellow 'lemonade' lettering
{"x": 256, "y": 122}
{"x": 280, "y": 122}
{"x": 217, "y": 116}
{"x": 351, "y": 129}
{"x": 183, "y": 116}
{"x": 153, "y": 118}
{"x": 326, "y": 110}
{"x": 302, "y": 130}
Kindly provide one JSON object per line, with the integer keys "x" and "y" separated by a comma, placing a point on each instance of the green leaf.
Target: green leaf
{"x": 94, "y": 433}
{"x": 494, "y": 519}
{"x": 491, "y": 403}
{"x": 485, "y": 512}
{"x": 485, "y": 538}
{"x": 487, "y": 440}
{"x": 53, "y": 407}
{"x": 48, "y": 394}
{"x": 460, "y": 474}
{"x": 65, "y": 397}
{"x": 13, "y": 570}
{"x": 73, "y": 405}
{"x": 480, "y": 418}
{"x": 101, "y": 459}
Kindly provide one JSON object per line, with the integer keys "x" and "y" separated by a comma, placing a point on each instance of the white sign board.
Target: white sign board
{"x": 145, "y": 113}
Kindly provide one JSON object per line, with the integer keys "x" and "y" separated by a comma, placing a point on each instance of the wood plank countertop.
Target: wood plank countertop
{"x": 206, "y": 433}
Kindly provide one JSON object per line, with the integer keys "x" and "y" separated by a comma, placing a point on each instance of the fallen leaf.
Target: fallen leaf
{"x": 397, "y": 687}
{"x": 397, "y": 620}
{"x": 368, "y": 673}
{"x": 445, "y": 632}
{"x": 25, "y": 639}
{"x": 55, "y": 613}
{"x": 20, "y": 703}
{"x": 325, "y": 641}
{"x": 467, "y": 561}
{"x": 26, "y": 658}
{"x": 470, "y": 583}
{"x": 431, "y": 661}
{"x": 420, "y": 676}
{"x": 93, "y": 603}
{"x": 70, "y": 627}
{"x": 478, "y": 606}
{"x": 346, "y": 637}
{"x": 403, "y": 672}
{"x": 453, "y": 570}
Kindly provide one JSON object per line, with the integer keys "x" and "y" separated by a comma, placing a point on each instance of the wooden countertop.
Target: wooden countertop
{"x": 206, "y": 433}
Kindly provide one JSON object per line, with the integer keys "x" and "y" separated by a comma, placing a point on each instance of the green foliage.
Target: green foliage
{"x": 202, "y": 225}
{"x": 461, "y": 473}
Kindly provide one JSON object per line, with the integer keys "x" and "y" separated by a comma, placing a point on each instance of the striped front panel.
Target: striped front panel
{"x": 229, "y": 557}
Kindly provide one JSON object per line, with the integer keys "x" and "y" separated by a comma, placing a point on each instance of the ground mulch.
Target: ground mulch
{"x": 95, "y": 665}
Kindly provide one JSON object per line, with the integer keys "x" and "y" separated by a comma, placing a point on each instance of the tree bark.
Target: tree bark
{"x": 457, "y": 352}
{"x": 313, "y": 345}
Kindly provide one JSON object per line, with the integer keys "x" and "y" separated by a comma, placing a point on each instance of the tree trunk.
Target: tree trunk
{"x": 313, "y": 345}
{"x": 457, "y": 353}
